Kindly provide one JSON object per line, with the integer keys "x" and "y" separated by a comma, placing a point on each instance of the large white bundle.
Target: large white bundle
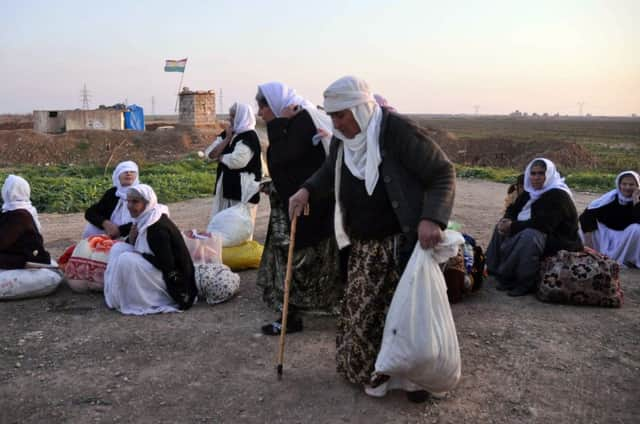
{"x": 25, "y": 283}
{"x": 420, "y": 344}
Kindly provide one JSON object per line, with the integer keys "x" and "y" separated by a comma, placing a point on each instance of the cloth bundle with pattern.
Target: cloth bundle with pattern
{"x": 216, "y": 282}
{"x": 580, "y": 278}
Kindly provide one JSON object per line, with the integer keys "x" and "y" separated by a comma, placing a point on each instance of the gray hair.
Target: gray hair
{"x": 135, "y": 194}
{"x": 261, "y": 99}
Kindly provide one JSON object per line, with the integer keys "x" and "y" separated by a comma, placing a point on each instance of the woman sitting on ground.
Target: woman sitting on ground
{"x": 542, "y": 221}
{"x": 611, "y": 224}
{"x": 237, "y": 151}
{"x": 110, "y": 215}
{"x": 21, "y": 239}
{"x": 152, "y": 272}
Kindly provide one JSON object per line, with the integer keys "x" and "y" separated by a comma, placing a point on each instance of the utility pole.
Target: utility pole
{"x": 580, "y": 106}
{"x": 476, "y": 108}
{"x": 153, "y": 105}
{"x": 221, "y": 101}
{"x": 85, "y": 96}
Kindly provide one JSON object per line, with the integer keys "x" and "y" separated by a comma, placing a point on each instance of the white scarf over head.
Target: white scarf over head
{"x": 552, "y": 180}
{"x": 279, "y": 97}
{"x": 16, "y": 194}
{"x": 153, "y": 211}
{"x": 244, "y": 118}
{"x": 611, "y": 196}
{"x": 362, "y": 152}
{"x": 120, "y": 214}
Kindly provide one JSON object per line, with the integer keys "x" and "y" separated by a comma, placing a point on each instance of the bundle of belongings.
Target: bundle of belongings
{"x": 215, "y": 281}
{"x": 580, "y": 278}
{"x": 465, "y": 272}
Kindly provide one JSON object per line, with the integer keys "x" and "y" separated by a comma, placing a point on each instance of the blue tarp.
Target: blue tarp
{"x": 134, "y": 118}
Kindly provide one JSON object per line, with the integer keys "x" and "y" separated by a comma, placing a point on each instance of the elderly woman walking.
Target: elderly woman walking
{"x": 296, "y": 150}
{"x": 393, "y": 186}
{"x": 541, "y": 221}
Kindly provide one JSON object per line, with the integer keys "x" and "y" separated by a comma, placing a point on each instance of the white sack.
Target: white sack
{"x": 24, "y": 283}
{"x": 419, "y": 343}
{"x": 235, "y": 224}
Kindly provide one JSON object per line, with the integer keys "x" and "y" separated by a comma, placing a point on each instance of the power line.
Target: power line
{"x": 153, "y": 105}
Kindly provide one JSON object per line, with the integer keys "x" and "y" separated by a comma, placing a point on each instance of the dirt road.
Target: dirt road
{"x": 67, "y": 358}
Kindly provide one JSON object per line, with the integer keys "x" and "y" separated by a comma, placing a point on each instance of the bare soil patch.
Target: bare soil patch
{"x": 67, "y": 358}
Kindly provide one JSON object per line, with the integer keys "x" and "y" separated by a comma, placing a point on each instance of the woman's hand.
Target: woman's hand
{"x": 588, "y": 240}
{"x": 429, "y": 234}
{"x": 133, "y": 234}
{"x": 297, "y": 202}
{"x": 111, "y": 229}
{"x": 290, "y": 111}
{"x": 635, "y": 197}
{"x": 504, "y": 226}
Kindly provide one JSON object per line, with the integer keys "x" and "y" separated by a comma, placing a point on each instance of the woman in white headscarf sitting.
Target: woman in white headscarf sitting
{"x": 21, "y": 245}
{"x": 393, "y": 186}
{"x": 611, "y": 223}
{"x": 110, "y": 215}
{"x": 152, "y": 272}
{"x": 237, "y": 151}
{"x": 541, "y": 221}
{"x": 299, "y": 135}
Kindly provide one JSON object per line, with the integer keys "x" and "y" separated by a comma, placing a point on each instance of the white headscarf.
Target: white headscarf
{"x": 16, "y": 194}
{"x": 244, "y": 118}
{"x": 611, "y": 196}
{"x": 120, "y": 214}
{"x": 279, "y": 97}
{"x": 361, "y": 153}
{"x": 153, "y": 211}
{"x": 552, "y": 180}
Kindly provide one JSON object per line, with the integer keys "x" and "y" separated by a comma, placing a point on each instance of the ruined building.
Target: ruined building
{"x": 197, "y": 108}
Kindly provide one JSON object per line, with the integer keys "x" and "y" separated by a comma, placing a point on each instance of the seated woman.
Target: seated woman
{"x": 237, "y": 151}
{"x": 611, "y": 224}
{"x": 110, "y": 215}
{"x": 21, "y": 240}
{"x": 153, "y": 272}
{"x": 21, "y": 245}
{"x": 542, "y": 221}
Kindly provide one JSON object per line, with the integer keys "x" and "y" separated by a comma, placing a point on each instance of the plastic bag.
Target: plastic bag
{"x": 247, "y": 255}
{"x": 24, "y": 283}
{"x": 419, "y": 343}
{"x": 235, "y": 224}
{"x": 204, "y": 248}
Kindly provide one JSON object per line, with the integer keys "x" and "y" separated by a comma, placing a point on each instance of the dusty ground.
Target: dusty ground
{"x": 67, "y": 358}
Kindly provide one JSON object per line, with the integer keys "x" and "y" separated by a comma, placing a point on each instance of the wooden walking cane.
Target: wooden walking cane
{"x": 287, "y": 286}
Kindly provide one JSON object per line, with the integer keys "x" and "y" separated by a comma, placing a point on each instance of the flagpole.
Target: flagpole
{"x": 175, "y": 109}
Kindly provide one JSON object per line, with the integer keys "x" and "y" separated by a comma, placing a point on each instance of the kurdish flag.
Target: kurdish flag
{"x": 175, "y": 65}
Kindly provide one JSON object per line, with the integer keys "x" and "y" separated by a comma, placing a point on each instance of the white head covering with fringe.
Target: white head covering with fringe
{"x": 552, "y": 180}
{"x": 153, "y": 211}
{"x": 244, "y": 118}
{"x": 120, "y": 214}
{"x": 611, "y": 196}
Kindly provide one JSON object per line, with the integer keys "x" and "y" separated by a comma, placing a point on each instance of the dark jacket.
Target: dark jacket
{"x": 553, "y": 214}
{"x": 20, "y": 241}
{"x": 418, "y": 177}
{"x": 231, "y": 188}
{"x": 612, "y": 215}
{"x": 171, "y": 257}
{"x": 101, "y": 211}
{"x": 292, "y": 158}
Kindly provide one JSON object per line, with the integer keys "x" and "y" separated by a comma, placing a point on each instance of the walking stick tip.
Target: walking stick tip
{"x": 279, "y": 369}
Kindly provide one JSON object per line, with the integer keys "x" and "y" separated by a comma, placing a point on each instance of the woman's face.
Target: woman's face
{"x": 265, "y": 112}
{"x": 135, "y": 205}
{"x": 127, "y": 178}
{"x": 344, "y": 122}
{"x": 537, "y": 176}
{"x": 628, "y": 185}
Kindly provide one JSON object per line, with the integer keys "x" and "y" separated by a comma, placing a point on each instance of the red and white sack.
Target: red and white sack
{"x": 419, "y": 343}
{"x": 85, "y": 269}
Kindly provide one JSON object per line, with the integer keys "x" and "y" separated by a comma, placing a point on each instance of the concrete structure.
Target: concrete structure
{"x": 197, "y": 108}
{"x": 57, "y": 121}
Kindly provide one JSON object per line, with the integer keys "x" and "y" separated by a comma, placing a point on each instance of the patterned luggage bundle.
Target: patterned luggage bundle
{"x": 86, "y": 266}
{"x": 580, "y": 278}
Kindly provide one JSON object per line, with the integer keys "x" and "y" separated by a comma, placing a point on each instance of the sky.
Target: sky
{"x": 424, "y": 56}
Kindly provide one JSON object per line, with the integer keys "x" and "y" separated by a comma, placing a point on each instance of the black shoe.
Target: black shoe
{"x": 629, "y": 264}
{"x": 418, "y": 396}
{"x": 519, "y": 291}
{"x": 294, "y": 325}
